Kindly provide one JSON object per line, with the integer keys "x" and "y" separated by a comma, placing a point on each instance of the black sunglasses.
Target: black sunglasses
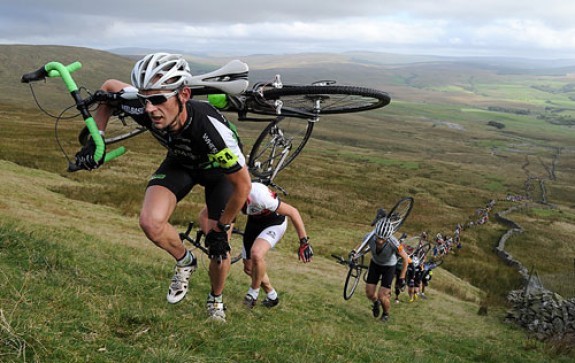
{"x": 156, "y": 99}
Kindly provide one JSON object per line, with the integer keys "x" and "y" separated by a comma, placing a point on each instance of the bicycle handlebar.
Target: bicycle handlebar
{"x": 57, "y": 69}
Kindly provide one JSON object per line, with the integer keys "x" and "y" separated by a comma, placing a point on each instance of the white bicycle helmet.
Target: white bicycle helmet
{"x": 161, "y": 71}
{"x": 383, "y": 228}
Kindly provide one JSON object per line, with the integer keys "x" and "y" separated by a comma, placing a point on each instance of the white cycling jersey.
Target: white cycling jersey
{"x": 261, "y": 201}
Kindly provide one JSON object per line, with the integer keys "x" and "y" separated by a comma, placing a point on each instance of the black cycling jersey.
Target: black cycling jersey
{"x": 207, "y": 139}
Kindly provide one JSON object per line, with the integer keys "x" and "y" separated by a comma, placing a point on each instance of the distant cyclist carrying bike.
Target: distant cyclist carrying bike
{"x": 385, "y": 249}
{"x": 203, "y": 148}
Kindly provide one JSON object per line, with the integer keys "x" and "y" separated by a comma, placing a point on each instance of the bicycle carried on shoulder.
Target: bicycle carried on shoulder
{"x": 417, "y": 250}
{"x": 356, "y": 259}
{"x": 290, "y": 112}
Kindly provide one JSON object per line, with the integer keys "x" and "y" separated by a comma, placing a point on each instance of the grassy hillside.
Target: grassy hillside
{"x": 80, "y": 283}
{"x": 75, "y": 288}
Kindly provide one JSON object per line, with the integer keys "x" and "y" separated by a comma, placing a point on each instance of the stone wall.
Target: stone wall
{"x": 540, "y": 311}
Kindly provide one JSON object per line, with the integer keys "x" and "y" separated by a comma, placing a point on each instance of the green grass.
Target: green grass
{"x": 70, "y": 297}
{"x": 80, "y": 282}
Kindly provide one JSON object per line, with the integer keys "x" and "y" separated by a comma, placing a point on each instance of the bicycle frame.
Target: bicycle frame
{"x": 185, "y": 236}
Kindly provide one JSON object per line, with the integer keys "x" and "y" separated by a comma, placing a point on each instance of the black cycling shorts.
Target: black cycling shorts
{"x": 376, "y": 272}
{"x": 425, "y": 277}
{"x": 180, "y": 181}
{"x": 413, "y": 276}
{"x": 255, "y": 226}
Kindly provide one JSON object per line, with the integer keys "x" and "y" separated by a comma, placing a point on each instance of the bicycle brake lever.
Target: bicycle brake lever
{"x": 72, "y": 167}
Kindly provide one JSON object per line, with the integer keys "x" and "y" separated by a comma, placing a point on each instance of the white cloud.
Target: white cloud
{"x": 422, "y": 26}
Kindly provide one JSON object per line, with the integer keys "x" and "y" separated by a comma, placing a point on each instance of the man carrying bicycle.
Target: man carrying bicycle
{"x": 385, "y": 249}
{"x": 203, "y": 148}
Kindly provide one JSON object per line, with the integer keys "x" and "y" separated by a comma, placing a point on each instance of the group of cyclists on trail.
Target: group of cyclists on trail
{"x": 204, "y": 148}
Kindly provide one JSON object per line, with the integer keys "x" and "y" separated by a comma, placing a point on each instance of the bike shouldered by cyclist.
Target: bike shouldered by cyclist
{"x": 414, "y": 276}
{"x": 385, "y": 250}
{"x": 203, "y": 148}
{"x": 415, "y": 271}
{"x": 266, "y": 225}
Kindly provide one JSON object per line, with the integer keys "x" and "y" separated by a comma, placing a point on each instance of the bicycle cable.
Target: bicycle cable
{"x": 46, "y": 111}
{"x": 59, "y": 117}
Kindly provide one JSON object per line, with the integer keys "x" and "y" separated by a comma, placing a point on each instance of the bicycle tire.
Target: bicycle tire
{"x": 237, "y": 245}
{"x": 437, "y": 263}
{"x": 282, "y": 135}
{"x": 118, "y": 129}
{"x": 328, "y": 99}
{"x": 400, "y": 211}
{"x": 425, "y": 250}
{"x": 421, "y": 252}
{"x": 352, "y": 278}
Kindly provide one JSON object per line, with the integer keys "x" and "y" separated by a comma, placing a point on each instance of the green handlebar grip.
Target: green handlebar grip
{"x": 56, "y": 69}
{"x": 115, "y": 153}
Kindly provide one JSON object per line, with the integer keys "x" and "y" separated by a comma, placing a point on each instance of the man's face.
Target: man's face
{"x": 162, "y": 107}
{"x": 379, "y": 241}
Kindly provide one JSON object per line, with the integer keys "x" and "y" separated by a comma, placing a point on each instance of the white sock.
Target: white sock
{"x": 254, "y": 292}
{"x": 213, "y": 298}
{"x": 186, "y": 260}
{"x": 272, "y": 295}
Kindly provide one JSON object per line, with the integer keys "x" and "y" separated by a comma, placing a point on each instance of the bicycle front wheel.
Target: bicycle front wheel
{"x": 400, "y": 211}
{"x": 423, "y": 251}
{"x": 278, "y": 145}
{"x": 352, "y": 278}
{"x": 328, "y": 99}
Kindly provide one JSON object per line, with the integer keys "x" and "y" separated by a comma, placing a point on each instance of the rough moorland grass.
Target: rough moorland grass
{"x": 81, "y": 304}
{"x": 74, "y": 297}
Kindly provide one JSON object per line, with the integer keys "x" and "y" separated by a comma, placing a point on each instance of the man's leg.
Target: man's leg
{"x": 218, "y": 270}
{"x": 260, "y": 276}
{"x": 258, "y": 254}
{"x": 256, "y": 282}
{"x": 159, "y": 204}
{"x": 370, "y": 292}
{"x": 385, "y": 296}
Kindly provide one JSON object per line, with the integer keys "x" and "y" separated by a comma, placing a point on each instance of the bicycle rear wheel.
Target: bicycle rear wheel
{"x": 278, "y": 145}
{"x": 400, "y": 211}
{"x": 118, "y": 129}
{"x": 328, "y": 99}
{"x": 352, "y": 278}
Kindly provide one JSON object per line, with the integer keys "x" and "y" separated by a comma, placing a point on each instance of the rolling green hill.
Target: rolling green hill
{"x": 74, "y": 290}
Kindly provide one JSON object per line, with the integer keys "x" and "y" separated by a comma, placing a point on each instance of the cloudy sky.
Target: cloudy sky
{"x": 528, "y": 28}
